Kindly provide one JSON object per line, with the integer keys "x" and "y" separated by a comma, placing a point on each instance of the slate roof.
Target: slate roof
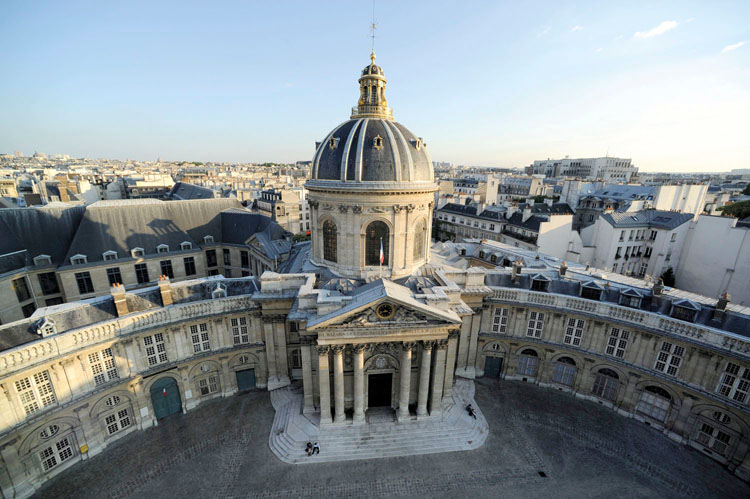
{"x": 647, "y": 218}
{"x": 37, "y": 231}
{"x": 629, "y": 192}
{"x": 122, "y": 226}
{"x": 184, "y": 191}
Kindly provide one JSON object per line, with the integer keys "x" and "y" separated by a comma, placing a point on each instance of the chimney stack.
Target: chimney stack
{"x": 516, "y": 271}
{"x": 721, "y": 306}
{"x": 526, "y": 213}
{"x": 165, "y": 289}
{"x": 563, "y": 269}
{"x": 121, "y": 302}
{"x": 658, "y": 287}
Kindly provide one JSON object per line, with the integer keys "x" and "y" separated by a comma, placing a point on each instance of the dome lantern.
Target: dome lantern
{"x": 372, "y": 102}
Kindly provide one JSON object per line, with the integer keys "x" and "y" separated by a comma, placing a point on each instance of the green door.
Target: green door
{"x": 245, "y": 379}
{"x": 165, "y": 397}
{"x": 493, "y": 366}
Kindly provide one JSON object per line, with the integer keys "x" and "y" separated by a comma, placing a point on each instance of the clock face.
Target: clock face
{"x": 385, "y": 310}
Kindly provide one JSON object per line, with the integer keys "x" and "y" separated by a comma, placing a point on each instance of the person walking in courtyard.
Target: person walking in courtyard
{"x": 316, "y": 448}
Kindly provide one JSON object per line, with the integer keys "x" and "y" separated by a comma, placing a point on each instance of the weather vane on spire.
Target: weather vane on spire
{"x": 372, "y": 32}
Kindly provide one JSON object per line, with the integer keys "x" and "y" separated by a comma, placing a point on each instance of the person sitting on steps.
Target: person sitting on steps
{"x": 309, "y": 448}
{"x": 471, "y": 412}
{"x": 315, "y": 448}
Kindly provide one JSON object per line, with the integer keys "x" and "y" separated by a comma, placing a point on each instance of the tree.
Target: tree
{"x": 668, "y": 277}
{"x": 740, "y": 210}
{"x": 746, "y": 190}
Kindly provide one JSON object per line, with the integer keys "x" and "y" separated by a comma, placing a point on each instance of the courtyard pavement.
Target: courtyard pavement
{"x": 541, "y": 443}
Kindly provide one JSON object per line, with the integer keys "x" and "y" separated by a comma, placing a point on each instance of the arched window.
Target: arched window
{"x": 655, "y": 403}
{"x": 376, "y": 233}
{"x": 419, "y": 237}
{"x": 605, "y": 384}
{"x": 329, "y": 241}
{"x": 528, "y": 363}
{"x": 564, "y": 371}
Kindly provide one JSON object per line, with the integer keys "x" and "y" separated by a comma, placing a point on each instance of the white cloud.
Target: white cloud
{"x": 656, "y": 31}
{"x": 576, "y": 28}
{"x": 735, "y": 46}
{"x": 599, "y": 49}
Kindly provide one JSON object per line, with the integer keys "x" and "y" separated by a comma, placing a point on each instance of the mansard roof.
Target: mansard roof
{"x": 659, "y": 219}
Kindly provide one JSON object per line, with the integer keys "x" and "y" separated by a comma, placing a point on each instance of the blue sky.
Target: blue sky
{"x": 485, "y": 83}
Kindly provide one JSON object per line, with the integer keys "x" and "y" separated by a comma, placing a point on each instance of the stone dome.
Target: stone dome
{"x": 372, "y": 150}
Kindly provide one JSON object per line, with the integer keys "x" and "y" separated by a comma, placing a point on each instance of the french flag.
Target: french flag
{"x": 382, "y": 255}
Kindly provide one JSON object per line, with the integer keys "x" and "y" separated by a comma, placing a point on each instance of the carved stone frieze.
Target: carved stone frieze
{"x": 357, "y": 209}
{"x": 343, "y": 208}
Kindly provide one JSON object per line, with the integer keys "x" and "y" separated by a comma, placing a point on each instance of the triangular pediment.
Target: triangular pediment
{"x": 391, "y": 308}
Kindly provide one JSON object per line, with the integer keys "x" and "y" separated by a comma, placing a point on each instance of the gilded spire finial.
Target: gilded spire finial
{"x": 372, "y": 56}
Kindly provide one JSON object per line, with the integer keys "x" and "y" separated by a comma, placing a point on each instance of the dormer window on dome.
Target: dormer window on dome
{"x": 333, "y": 143}
{"x": 377, "y": 142}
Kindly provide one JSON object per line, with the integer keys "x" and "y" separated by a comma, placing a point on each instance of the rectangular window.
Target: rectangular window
{"x": 669, "y": 358}
{"x": 617, "y": 343}
{"x": 591, "y": 293}
{"x": 244, "y": 259}
{"x": 296, "y": 359}
{"x": 114, "y": 276}
{"x": 527, "y": 365}
{"x": 141, "y": 273}
{"x": 227, "y": 258}
{"x": 166, "y": 268}
{"x": 683, "y": 313}
{"x": 563, "y": 374}
{"x": 117, "y": 421}
{"x": 735, "y": 383}
{"x": 199, "y": 335}
{"x": 239, "y": 330}
{"x": 574, "y": 332}
{"x": 28, "y": 309}
{"x": 35, "y": 392}
{"x": 189, "y": 263}
{"x": 21, "y": 287}
{"x": 103, "y": 366}
{"x": 53, "y": 301}
{"x": 211, "y": 258}
{"x": 605, "y": 387}
{"x": 654, "y": 406}
{"x": 208, "y": 385}
{"x": 500, "y": 320}
{"x": 48, "y": 283}
{"x": 55, "y": 454}
{"x": 536, "y": 325}
{"x": 717, "y": 440}
{"x": 83, "y": 279}
{"x": 156, "y": 350}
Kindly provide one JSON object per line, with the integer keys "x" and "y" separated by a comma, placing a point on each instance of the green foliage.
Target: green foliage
{"x": 740, "y": 210}
{"x": 539, "y": 198}
{"x": 668, "y": 277}
{"x": 746, "y": 191}
{"x": 301, "y": 237}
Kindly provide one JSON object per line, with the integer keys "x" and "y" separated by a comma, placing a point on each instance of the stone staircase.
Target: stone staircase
{"x": 454, "y": 431}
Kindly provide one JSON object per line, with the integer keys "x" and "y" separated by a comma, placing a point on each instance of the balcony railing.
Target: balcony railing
{"x": 716, "y": 338}
{"x": 369, "y": 109}
{"x": 69, "y": 341}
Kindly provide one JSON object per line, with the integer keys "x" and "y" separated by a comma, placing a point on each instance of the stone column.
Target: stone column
{"x": 273, "y": 377}
{"x": 359, "y": 383}
{"x": 325, "y": 384}
{"x": 438, "y": 378}
{"x": 282, "y": 363}
{"x": 424, "y": 378}
{"x": 463, "y": 344}
{"x": 338, "y": 382}
{"x": 307, "y": 379}
{"x": 450, "y": 364}
{"x": 405, "y": 385}
{"x": 473, "y": 342}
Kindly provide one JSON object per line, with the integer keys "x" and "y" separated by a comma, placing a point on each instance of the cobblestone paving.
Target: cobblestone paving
{"x": 541, "y": 442}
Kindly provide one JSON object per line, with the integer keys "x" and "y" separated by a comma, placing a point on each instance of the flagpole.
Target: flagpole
{"x": 380, "y": 259}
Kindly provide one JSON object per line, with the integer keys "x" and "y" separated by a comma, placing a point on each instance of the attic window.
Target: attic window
{"x": 208, "y": 239}
{"x": 540, "y": 283}
{"x": 418, "y": 143}
{"x": 463, "y": 252}
{"x": 591, "y": 292}
{"x": 186, "y": 245}
{"x": 109, "y": 255}
{"x": 493, "y": 258}
{"x": 137, "y": 252}
{"x": 162, "y": 248}
{"x": 685, "y": 311}
{"x": 630, "y": 298}
{"x": 377, "y": 142}
{"x": 42, "y": 260}
{"x": 78, "y": 259}
{"x": 46, "y": 328}
{"x": 481, "y": 254}
{"x": 220, "y": 291}
{"x": 333, "y": 143}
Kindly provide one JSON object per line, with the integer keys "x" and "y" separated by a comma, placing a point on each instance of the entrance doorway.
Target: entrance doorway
{"x": 379, "y": 390}
{"x": 165, "y": 398}
{"x": 245, "y": 379}
{"x": 493, "y": 366}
